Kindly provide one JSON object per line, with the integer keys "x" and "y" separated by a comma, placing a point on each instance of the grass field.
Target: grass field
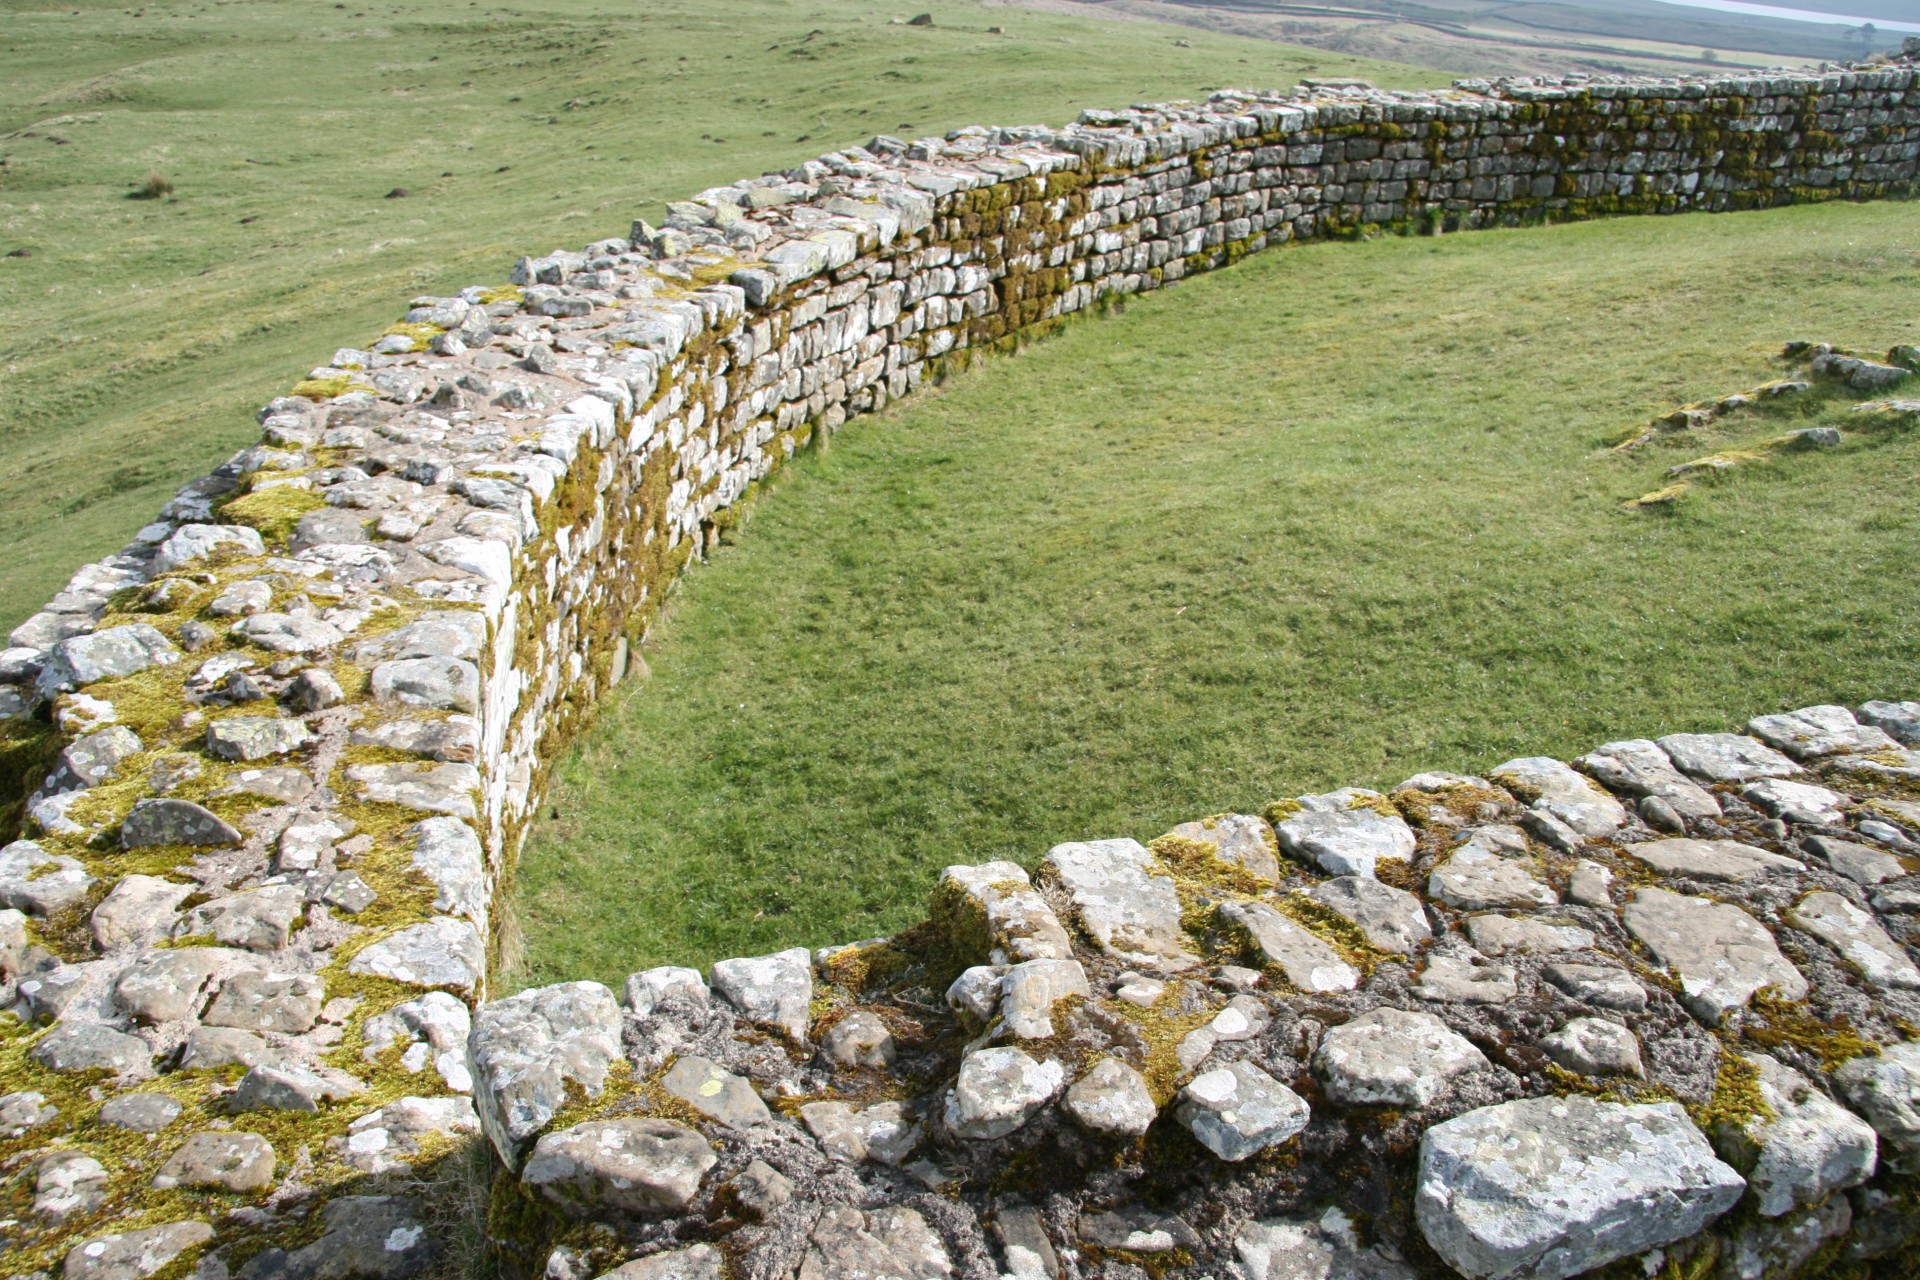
{"x": 140, "y": 334}
{"x": 1334, "y": 516}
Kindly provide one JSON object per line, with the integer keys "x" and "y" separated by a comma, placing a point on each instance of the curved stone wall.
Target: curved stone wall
{"x": 274, "y": 761}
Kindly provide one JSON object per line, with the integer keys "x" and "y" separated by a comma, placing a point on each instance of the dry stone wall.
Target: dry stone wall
{"x": 274, "y": 760}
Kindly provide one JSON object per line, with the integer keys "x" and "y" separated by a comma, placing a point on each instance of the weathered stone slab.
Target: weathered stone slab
{"x": 1483, "y": 874}
{"x": 1813, "y": 732}
{"x": 1131, "y": 912}
{"x": 635, "y": 1166}
{"x": 1602, "y": 986}
{"x": 259, "y": 919}
{"x": 998, "y": 1091}
{"x": 699, "y": 1262}
{"x": 892, "y": 1242}
{"x": 140, "y": 1112}
{"x": 68, "y": 1184}
{"x": 715, "y": 1093}
{"x": 860, "y": 1039}
{"x": 1885, "y": 1089}
{"x": 1393, "y": 1058}
{"x": 1239, "y": 1110}
{"x": 774, "y": 991}
{"x": 1721, "y": 954}
{"x": 1029, "y": 992}
{"x": 449, "y": 633}
{"x": 138, "y": 909}
{"x": 1506, "y": 935}
{"x": 222, "y": 1161}
{"x": 287, "y": 1086}
{"x": 1595, "y": 1047}
{"x": 883, "y": 1132}
{"x": 104, "y": 655}
{"x": 1859, "y": 939}
{"x": 1860, "y": 863}
{"x": 1348, "y": 842}
{"x": 164, "y": 822}
{"x": 1022, "y": 1236}
{"x": 167, "y": 983}
{"x": 92, "y": 1047}
{"x": 447, "y": 852}
{"x": 286, "y": 1003}
{"x": 1638, "y": 767}
{"x": 429, "y": 788}
{"x": 1308, "y": 962}
{"x": 1796, "y": 801}
{"x": 1899, "y": 720}
{"x": 133, "y": 1255}
{"x": 1389, "y": 918}
{"x": 432, "y": 1032}
{"x": 1016, "y": 920}
{"x": 93, "y": 758}
{"x": 1809, "y": 1148}
{"x": 1725, "y": 757}
{"x": 38, "y": 882}
{"x": 387, "y": 1140}
{"x": 525, "y": 1049}
{"x": 455, "y": 739}
{"x": 288, "y": 633}
{"x": 649, "y": 988}
{"x": 1553, "y": 1187}
{"x": 1325, "y": 1249}
{"x": 1723, "y": 860}
{"x": 444, "y": 684}
{"x": 1456, "y": 980}
{"x": 366, "y": 1238}
{"x": 256, "y": 737}
{"x": 442, "y": 952}
{"x": 1557, "y": 789}
{"x": 1238, "y": 839}
{"x": 193, "y": 542}
{"x": 1112, "y": 1099}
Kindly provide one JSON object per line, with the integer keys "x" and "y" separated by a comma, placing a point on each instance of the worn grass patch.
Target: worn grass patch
{"x": 1340, "y": 514}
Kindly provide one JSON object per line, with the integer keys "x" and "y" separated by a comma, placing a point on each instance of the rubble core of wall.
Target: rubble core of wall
{"x": 272, "y": 763}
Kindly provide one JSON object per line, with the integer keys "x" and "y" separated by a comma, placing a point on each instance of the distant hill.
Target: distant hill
{"x": 1876, "y": 10}
{"x": 1524, "y": 37}
{"x": 1686, "y": 24}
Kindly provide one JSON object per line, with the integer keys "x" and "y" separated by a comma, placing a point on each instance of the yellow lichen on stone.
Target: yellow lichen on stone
{"x": 421, "y": 334}
{"x": 273, "y": 511}
{"x": 1785, "y": 1023}
{"x": 1660, "y": 499}
{"x": 327, "y": 388}
{"x": 1736, "y": 1100}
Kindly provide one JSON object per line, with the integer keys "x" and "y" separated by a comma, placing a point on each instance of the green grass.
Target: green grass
{"x": 1337, "y": 515}
{"x": 141, "y": 334}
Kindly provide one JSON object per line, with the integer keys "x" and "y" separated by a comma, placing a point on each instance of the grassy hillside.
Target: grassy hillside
{"x": 140, "y": 334}
{"x": 1334, "y": 516}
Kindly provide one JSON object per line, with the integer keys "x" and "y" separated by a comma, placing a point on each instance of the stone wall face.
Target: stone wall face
{"x": 276, "y": 759}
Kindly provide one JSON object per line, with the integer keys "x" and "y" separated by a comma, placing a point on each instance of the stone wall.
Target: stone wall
{"x": 275, "y": 759}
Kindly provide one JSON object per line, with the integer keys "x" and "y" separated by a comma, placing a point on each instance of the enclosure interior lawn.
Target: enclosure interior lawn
{"x": 1340, "y": 514}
